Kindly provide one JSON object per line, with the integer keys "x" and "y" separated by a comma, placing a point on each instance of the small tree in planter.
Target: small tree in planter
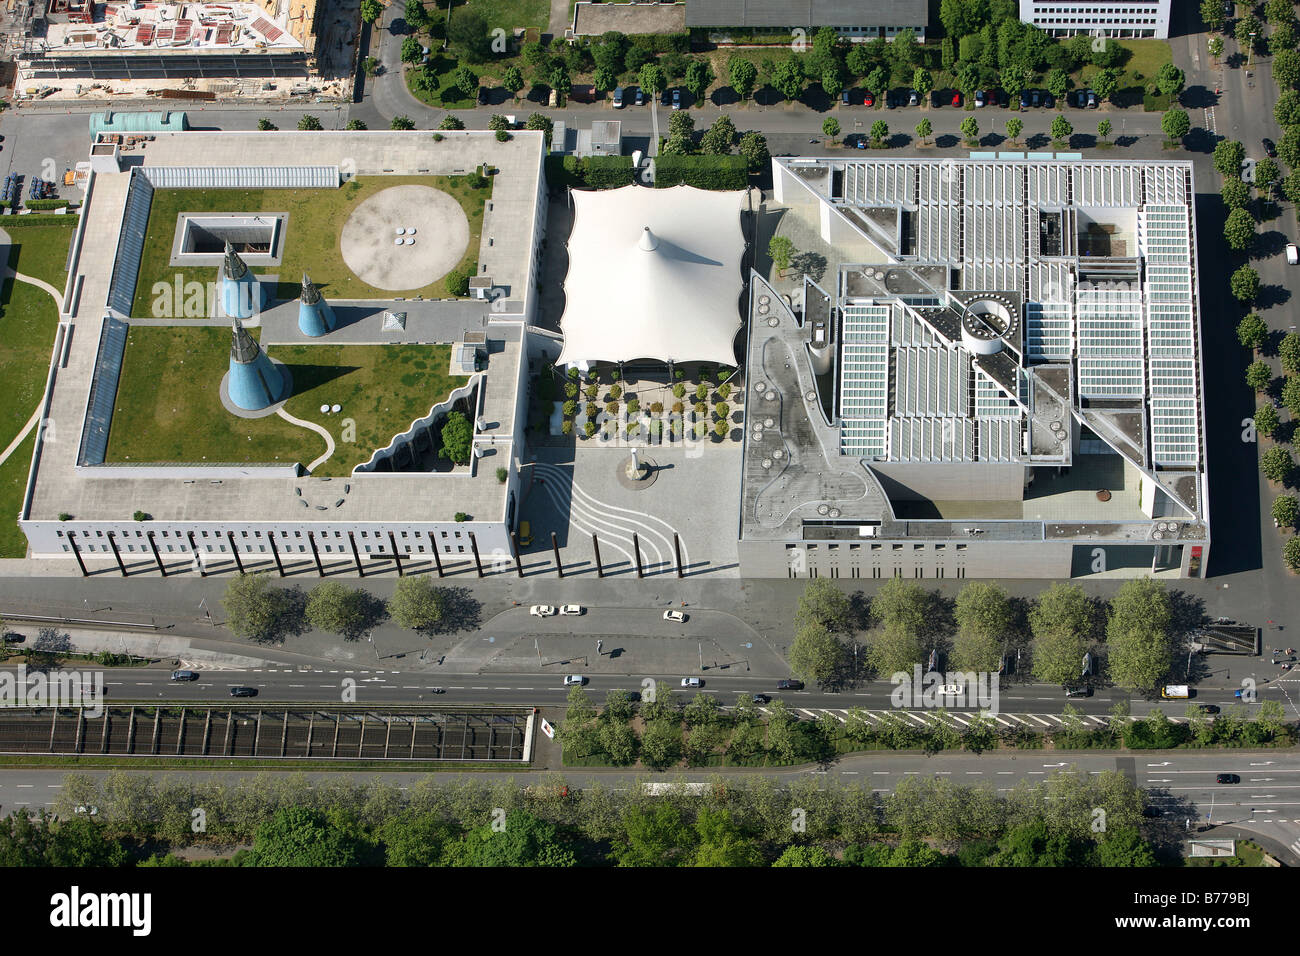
{"x": 460, "y": 516}
{"x": 721, "y": 428}
{"x": 678, "y": 408}
{"x": 611, "y": 409}
{"x": 723, "y": 410}
{"x": 679, "y": 390}
{"x": 633, "y": 406}
{"x": 679, "y": 374}
{"x": 566, "y": 426}
{"x": 701, "y": 410}
{"x": 632, "y": 428}
{"x": 724, "y": 390}
{"x": 615, "y": 392}
{"x": 656, "y": 408}
{"x": 503, "y": 474}
{"x": 571, "y": 389}
{"x": 570, "y": 408}
{"x": 701, "y": 392}
{"x": 592, "y": 410}
{"x": 573, "y": 374}
{"x": 142, "y": 516}
{"x": 591, "y": 391}
{"x": 64, "y": 516}
{"x": 589, "y": 428}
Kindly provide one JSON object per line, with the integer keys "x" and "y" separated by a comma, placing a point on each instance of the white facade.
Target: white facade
{"x": 1109, "y": 18}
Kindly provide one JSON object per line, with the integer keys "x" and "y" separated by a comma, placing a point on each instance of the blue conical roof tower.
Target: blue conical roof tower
{"x": 241, "y": 293}
{"x": 315, "y": 317}
{"x": 253, "y": 383}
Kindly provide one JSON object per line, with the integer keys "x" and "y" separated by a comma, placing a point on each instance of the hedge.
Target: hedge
{"x": 45, "y": 203}
{"x": 597, "y": 172}
{"x": 703, "y": 172}
{"x": 38, "y": 219}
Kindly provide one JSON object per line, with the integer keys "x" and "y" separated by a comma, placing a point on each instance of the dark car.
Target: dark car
{"x": 1227, "y": 778}
{"x": 1024, "y": 100}
{"x": 844, "y": 97}
{"x": 1091, "y": 99}
{"x": 1003, "y": 98}
{"x": 677, "y": 99}
{"x": 639, "y": 98}
{"x": 1270, "y": 149}
{"x": 618, "y": 97}
{"x": 12, "y": 638}
{"x": 1049, "y": 101}
{"x": 1209, "y": 709}
{"x": 1035, "y": 98}
{"x": 667, "y": 98}
{"x": 1081, "y": 691}
{"x": 185, "y": 675}
{"x": 1150, "y": 811}
{"x": 760, "y": 698}
{"x": 789, "y": 685}
{"x": 243, "y": 692}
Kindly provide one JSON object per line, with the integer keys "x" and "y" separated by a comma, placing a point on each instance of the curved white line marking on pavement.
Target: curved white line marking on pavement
{"x": 596, "y": 517}
{"x": 580, "y": 522}
{"x": 318, "y": 429}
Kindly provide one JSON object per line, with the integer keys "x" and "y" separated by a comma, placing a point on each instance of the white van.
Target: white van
{"x": 1292, "y": 254}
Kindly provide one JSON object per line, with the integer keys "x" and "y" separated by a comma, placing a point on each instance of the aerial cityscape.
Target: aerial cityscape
{"x": 501, "y": 433}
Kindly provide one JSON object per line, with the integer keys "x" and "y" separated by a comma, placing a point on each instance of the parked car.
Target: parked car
{"x": 1049, "y": 101}
{"x": 1208, "y": 709}
{"x": 541, "y": 610}
{"x": 855, "y": 141}
{"x": 980, "y": 99}
{"x": 949, "y": 690}
{"x": 677, "y": 99}
{"x": 639, "y": 97}
{"x": 1292, "y": 257}
{"x": 667, "y": 98}
{"x": 913, "y": 98}
{"x": 677, "y": 617}
{"x": 892, "y": 100}
{"x": 574, "y": 680}
{"x": 761, "y": 699}
{"x": 572, "y": 609}
{"x": 956, "y": 98}
{"x": 692, "y": 682}
{"x": 1035, "y": 98}
{"x": 185, "y": 675}
{"x": 844, "y": 97}
{"x": 13, "y": 638}
{"x": 243, "y": 692}
{"x": 1025, "y": 99}
{"x": 868, "y": 98}
{"x": 618, "y": 97}
{"x": 1081, "y": 691}
{"x": 1003, "y": 98}
{"x": 482, "y": 96}
{"x": 1092, "y": 101}
{"x": 1227, "y": 778}
{"x": 789, "y": 685}
{"x": 1269, "y": 148}
{"x": 1150, "y": 811}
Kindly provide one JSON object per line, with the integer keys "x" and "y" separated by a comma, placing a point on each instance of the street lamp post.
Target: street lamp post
{"x": 1250, "y": 54}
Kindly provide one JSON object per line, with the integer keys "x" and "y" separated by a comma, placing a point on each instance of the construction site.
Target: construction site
{"x": 266, "y": 50}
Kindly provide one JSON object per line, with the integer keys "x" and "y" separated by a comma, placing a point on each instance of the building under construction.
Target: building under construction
{"x": 132, "y": 40}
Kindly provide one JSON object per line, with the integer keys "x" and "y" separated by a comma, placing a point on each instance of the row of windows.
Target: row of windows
{"x": 873, "y": 547}
{"x": 302, "y": 548}
{"x": 257, "y": 534}
{"x": 854, "y": 572}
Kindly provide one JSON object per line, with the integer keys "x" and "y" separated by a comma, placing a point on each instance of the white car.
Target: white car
{"x": 692, "y": 682}
{"x": 541, "y": 610}
{"x": 574, "y": 680}
{"x": 676, "y": 616}
{"x": 950, "y": 690}
{"x": 1292, "y": 254}
{"x": 88, "y": 810}
{"x": 571, "y": 609}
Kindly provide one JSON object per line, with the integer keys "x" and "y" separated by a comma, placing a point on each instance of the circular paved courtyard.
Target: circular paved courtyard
{"x": 441, "y": 237}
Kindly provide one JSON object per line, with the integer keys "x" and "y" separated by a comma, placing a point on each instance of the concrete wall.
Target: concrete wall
{"x": 956, "y": 481}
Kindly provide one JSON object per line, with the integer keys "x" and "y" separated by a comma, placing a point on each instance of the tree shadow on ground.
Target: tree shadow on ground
{"x": 462, "y": 612}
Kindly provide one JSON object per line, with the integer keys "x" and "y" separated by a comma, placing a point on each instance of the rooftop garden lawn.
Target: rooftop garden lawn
{"x": 42, "y": 250}
{"x": 169, "y": 405}
{"x": 28, "y": 320}
{"x": 381, "y": 388}
{"x": 169, "y": 409}
{"x": 13, "y": 483}
{"x": 311, "y": 243}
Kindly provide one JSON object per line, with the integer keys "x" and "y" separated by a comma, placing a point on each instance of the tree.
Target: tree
{"x": 1258, "y": 376}
{"x": 753, "y": 146}
{"x": 1244, "y": 284}
{"x": 924, "y": 130}
{"x": 541, "y": 123}
{"x": 652, "y": 79}
{"x": 254, "y": 609}
{"x": 1286, "y": 68}
{"x": 1105, "y": 82}
{"x": 799, "y": 855}
{"x": 416, "y": 16}
{"x": 560, "y": 81}
{"x": 1247, "y": 31}
{"x": 698, "y": 77}
{"x": 1169, "y": 79}
{"x": 661, "y": 743}
{"x": 1276, "y": 464}
{"x": 1279, "y": 12}
{"x": 1252, "y": 331}
{"x": 498, "y": 122}
{"x": 1175, "y": 123}
{"x": 1058, "y": 81}
{"x": 718, "y": 138}
{"x": 722, "y": 842}
{"x": 1266, "y": 420}
{"x": 1060, "y": 622}
{"x": 1014, "y": 127}
{"x": 1289, "y": 352}
{"x": 451, "y": 121}
{"x": 1236, "y": 194}
{"x": 823, "y": 604}
{"x": 1291, "y": 395}
{"x": 984, "y": 622}
{"x": 1061, "y": 128}
{"x": 1216, "y": 48}
{"x": 1267, "y": 174}
{"x": 412, "y": 50}
{"x": 525, "y": 840}
{"x": 815, "y": 655}
{"x": 416, "y": 604}
{"x": 1137, "y": 634}
{"x": 356, "y": 124}
{"x": 879, "y": 133}
{"x": 371, "y": 10}
{"x": 922, "y": 81}
{"x": 1212, "y": 14}
{"x": 1239, "y": 229}
{"x": 1012, "y": 79}
{"x": 900, "y": 609}
{"x": 779, "y": 250}
{"x": 402, "y": 122}
{"x": 513, "y": 80}
{"x": 1104, "y": 129}
{"x": 1228, "y": 156}
{"x": 301, "y": 836}
{"x": 468, "y": 32}
{"x": 457, "y": 436}
{"x": 877, "y": 81}
{"x": 81, "y": 843}
{"x": 266, "y": 124}
{"x": 743, "y": 76}
{"x": 653, "y": 836}
{"x": 309, "y": 122}
{"x": 341, "y": 610}
{"x": 1291, "y": 553}
{"x": 1287, "y": 109}
{"x": 788, "y": 77}
{"x": 830, "y": 127}
{"x": 970, "y": 128}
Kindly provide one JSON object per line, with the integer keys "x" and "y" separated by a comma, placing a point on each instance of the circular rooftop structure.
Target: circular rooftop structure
{"x": 369, "y": 247}
{"x": 985, "y": 322}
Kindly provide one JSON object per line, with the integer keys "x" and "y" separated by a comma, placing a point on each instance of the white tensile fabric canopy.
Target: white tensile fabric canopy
{"x": 653, "y": 274}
